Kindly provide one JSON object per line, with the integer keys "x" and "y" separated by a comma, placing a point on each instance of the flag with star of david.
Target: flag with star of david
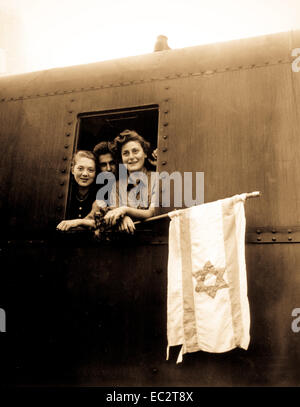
{"x": 207, "y": 305}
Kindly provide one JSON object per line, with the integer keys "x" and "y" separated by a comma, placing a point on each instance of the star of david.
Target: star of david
{"x": 210, "y": 269}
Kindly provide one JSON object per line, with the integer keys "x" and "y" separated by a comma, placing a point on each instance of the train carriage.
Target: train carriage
{"x": 83, "y": 312}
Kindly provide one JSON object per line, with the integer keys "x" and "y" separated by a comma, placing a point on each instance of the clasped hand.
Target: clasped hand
{"x": 114, "y": 215}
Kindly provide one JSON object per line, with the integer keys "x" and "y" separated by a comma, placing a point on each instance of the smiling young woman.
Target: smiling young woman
{"x": 132, "y": 151}
{"x": 133, "y": 156}
{"x": 83, "y": 169}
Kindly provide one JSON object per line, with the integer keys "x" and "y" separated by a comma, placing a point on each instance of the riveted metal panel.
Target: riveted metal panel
{"x": 230, "y": 110}
{"x": 35, "y": 163}
{"x": 241, "y": 129}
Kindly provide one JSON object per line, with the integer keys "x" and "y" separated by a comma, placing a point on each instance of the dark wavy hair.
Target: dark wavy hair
{"x": 102, "y": 148}
{"x": 125, "y": 137}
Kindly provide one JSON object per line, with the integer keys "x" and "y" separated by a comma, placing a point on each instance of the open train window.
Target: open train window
{"x": 101, "y": 126}
{"x": 95, "y": 127}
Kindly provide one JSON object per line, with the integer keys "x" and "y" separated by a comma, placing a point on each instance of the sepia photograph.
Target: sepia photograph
{"x": 150, "y": 218}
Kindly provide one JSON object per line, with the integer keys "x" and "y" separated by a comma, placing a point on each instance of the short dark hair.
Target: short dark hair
{"x": 125, "y": 137}
{"x": 104, "y": 147}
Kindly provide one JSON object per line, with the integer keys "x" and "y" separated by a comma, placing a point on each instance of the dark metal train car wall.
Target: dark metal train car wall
{"x": 80, "y": 312}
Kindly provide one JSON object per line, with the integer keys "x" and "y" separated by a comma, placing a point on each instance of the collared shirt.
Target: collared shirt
{"x": 139, "y": 191}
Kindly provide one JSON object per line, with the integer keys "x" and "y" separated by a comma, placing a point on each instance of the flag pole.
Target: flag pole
{"x": 254, "y": 194}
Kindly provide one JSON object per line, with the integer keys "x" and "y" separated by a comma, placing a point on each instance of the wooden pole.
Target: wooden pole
{"x": 254, "y": 194}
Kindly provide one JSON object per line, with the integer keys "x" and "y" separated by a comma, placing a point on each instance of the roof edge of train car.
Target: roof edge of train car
{"x": 197, "y": 60}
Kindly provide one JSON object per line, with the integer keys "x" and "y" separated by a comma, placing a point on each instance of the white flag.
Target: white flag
{"x": 207, "y": 304}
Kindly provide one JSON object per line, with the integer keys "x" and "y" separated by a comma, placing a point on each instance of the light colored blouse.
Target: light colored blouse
{"x": 139, "y": 190}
